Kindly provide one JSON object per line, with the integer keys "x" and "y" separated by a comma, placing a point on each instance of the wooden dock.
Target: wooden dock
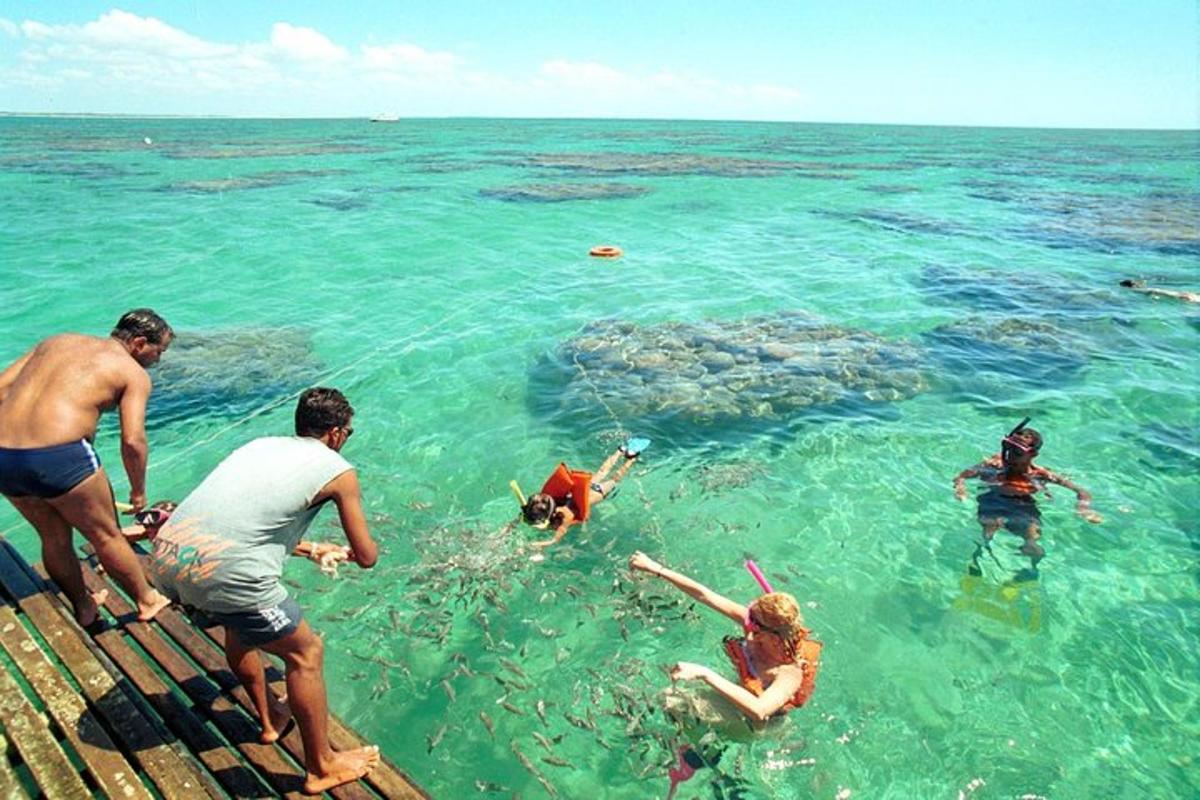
{"x": 137, "y": 710}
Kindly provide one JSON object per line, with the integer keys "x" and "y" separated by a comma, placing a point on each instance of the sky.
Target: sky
{"x": 1025, "y": 63}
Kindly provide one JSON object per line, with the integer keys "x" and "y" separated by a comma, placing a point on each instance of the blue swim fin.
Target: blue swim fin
{"x": 634, "y": 447}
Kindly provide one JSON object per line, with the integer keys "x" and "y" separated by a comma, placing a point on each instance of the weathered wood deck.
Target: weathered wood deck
{"x": 138, "y": 710}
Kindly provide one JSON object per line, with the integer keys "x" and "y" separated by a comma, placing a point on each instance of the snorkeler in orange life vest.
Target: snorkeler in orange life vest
{"x": 1012, "y": 480}
{"x": 568, "y": 495}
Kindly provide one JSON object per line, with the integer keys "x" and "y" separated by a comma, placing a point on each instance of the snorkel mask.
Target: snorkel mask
{"x": 1011, "y": 447}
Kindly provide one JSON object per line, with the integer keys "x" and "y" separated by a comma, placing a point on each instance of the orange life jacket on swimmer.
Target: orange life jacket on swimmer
{"x": 808, "y": 656}
{"x": 570, "y": 487}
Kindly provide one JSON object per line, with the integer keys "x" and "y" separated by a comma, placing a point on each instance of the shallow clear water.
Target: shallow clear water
{"x": 437, "y": 272}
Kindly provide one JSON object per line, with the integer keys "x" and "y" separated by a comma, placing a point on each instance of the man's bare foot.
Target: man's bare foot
{"x": 89, "y": 613}
{"x": 279, "y": 723}
{"x": 343, "y": 767}
{"x": 154, "y": 603}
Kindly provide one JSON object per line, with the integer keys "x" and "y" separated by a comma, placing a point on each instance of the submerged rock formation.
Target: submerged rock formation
{"x": 708, "y": 373}
{"x": 230, "y": 372}
{"x": 1031, "y": 353}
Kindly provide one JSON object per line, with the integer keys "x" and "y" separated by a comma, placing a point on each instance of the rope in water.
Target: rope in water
{"x": 656, "y": 530}
{"x": 276, "y": 403}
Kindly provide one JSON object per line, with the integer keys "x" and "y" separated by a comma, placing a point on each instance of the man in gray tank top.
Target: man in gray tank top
{"x": 221, "y": 554}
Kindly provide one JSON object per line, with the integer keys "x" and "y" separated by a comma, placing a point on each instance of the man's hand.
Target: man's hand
{"x": 137, "y": 500}
{"x": 686, "y": 671}
{"x": 328, "y": 555}
{"x": 960, "y": 491}
{"x": 1085, "y": 510}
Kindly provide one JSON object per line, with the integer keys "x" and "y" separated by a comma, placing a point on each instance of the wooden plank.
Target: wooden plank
{"x": 10, "y": 784}
{"x": 112, "y": 773}
{"x": 386, "y": 778}
{"x": 240, "y": 730}
{"x": 30, "y": 733}
{"x": 208, "y": 651}
{"x": 168, "y": 769}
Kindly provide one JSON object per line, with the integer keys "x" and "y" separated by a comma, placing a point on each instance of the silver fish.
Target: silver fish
{"x": 436, "y": 738}
{"x": 509, "y": 707}
{"x": 487, "y": 723}
{"x": 513, "y": 667}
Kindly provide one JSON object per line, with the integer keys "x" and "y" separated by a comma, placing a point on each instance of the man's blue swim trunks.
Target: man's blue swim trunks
{"x": 46, "y": 471}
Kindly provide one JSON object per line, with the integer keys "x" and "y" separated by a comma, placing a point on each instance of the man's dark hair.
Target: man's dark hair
{"x": 142, "y": 322}
{"x": 320, "y": 409}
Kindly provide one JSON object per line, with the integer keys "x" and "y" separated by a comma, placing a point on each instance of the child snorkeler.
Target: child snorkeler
{"x": 568, "y": 495}
{"x": 1012, "y": 480}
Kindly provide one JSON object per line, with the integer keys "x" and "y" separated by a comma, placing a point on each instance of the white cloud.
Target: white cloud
{"x": 36, "y": 30}
{"x": 305, "y": 44}
{"x": 121, "y": 55}
{"x": 408, "y": 58}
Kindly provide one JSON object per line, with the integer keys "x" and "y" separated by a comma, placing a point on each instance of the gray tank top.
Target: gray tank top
{"x": 225, "y": 545}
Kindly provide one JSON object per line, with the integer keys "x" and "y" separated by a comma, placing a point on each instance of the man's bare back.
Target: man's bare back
{"x": 51, "y": 400}
{"x": 60, "y": 389}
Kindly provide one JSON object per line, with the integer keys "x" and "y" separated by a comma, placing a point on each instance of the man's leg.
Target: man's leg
{"x": 89, "y": 507}
{"x": 59, "y": 557}
{"x": 246, "y": 664}
{"x": 1031, "y": 547}
{"x": 303, "y": 654}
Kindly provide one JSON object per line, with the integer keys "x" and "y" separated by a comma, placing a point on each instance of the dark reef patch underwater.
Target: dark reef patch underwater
{"x": 676, "y": 377}
{"x": 230, "y": 373}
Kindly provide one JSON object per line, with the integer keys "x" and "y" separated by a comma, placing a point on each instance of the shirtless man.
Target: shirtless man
{"x": 51, "y": 400}
{"x": 1013, "y": 479}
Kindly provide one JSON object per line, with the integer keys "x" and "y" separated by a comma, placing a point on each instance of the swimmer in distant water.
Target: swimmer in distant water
{"x": 1140, "y": 286}
{"x": 1013, "y": 479}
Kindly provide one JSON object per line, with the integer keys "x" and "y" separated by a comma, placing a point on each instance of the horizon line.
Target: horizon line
{"x": 370, "y": 118}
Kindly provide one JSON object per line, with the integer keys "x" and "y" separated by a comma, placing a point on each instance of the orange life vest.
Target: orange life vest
{"x": 573, "y": 486}
{"x": 808, "y": 657}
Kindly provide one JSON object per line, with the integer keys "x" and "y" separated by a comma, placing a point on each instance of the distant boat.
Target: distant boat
{"x": 385, "y": 118}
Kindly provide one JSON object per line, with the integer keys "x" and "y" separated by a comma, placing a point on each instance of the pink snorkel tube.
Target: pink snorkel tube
{"x": 758, "y": 576}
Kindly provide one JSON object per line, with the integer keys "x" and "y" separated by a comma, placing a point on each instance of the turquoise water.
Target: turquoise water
{"x": 437, "y": 272}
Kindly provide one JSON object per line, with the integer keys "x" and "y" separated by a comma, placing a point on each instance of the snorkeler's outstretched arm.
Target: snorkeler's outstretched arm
{"x": 758, "y": 707}
{"x": 1083, "y": 498}
{"x": 960, "y": 485}
{"x": 694, "y": 589}
{"x": 559, "y": 533}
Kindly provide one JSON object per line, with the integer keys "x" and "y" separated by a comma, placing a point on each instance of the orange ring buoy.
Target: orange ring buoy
{"x": 605, "y": 251}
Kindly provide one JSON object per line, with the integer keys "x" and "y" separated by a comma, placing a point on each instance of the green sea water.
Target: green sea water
{"x": 438, "y": 273}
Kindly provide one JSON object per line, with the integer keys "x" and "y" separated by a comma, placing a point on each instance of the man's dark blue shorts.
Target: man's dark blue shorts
{"x": 46, "y": 471}
{"x": 254, "y": 628}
